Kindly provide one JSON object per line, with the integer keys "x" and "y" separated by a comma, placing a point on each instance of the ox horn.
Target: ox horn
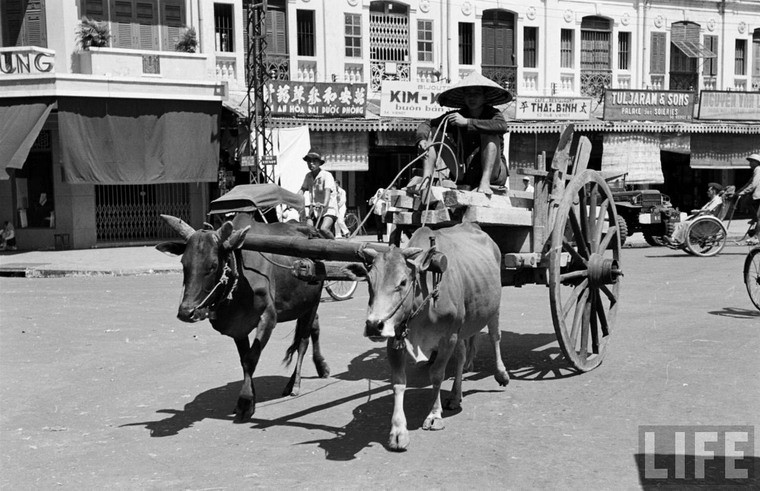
{"x": 183, "y": 229}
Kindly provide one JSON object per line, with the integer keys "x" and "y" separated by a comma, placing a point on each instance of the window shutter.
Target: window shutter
{"x": 24, "y": 23}
{"x": 172, "y": 23}
{"x": 13, "y": 20}
{"x": 756, "y": 55}
{"x": 147, "y": 22}
{"x": 500, "y": 40}
{"x": 657, "y": 56}
{"x": 276, "y": 32}
{"x": 95, "y": 9}
{"x": 34, "y": 24}
{"x": 122, "y": 15}
{"x": 710, "y": 66}
{"x": 489, "y": 45}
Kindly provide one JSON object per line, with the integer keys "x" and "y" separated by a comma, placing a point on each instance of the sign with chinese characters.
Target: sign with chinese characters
{"x": 415, "y": 100}
{"x": 648, "y": 105}
{"x": 553, "y": 108}
{"x": 741, "y": 106}
{"x": 316, "y": 99}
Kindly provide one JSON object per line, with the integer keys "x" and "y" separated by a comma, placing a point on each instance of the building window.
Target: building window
{"x": 277, "y": 28}
{"x": 595, "y": 44}
{"x": 305, "y": 32}
{"x": 567, "y": 48}
{"x": 658, "y": 53}
{"x": 223, "y": 31}
{"x": 466, "y": 42}
{"x": 23, "y": 23}
{"x": 710, "y": 66}
{"x": 740, "y": 65}
{"x": 424, "y": 40}
{"x": 353, "y": 35}
{"x": 624, "y": 51}
{"x": 530, "y": 47}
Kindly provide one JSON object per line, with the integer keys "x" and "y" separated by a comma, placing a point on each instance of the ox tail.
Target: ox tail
{"x": 292, "y": 349}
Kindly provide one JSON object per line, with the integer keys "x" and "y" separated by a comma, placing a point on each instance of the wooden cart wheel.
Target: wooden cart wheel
{"x": 584, "y": 270}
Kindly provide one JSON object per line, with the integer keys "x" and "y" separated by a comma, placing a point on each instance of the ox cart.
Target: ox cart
{"x": 564, "y": 235}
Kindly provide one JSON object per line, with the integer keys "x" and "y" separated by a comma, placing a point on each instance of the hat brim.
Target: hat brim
{"x": 454, "y": 97}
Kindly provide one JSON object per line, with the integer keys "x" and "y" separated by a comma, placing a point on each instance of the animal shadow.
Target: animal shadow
{"x": 216, "y": 403}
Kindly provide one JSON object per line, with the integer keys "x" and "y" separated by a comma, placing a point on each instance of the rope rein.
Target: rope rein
{"x": 400, "y": 336}
{"x": 229, "y": 272}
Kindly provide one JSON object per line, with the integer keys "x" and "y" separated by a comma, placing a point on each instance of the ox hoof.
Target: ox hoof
{"x": 244, "y": 410}
{"x": 502, "y": 377}
{"x": 292, "y": 389}
{"x": 433, "y": 424}
{"x": 322, "y": 369}
{"x": 453, "y": 404}
{"x": 398, "y": 440}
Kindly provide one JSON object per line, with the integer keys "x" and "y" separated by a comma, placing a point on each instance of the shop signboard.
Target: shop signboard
{"x": 648, "y": 105}
{"x": 17, "y": 61}
{"x": 553, "y": 108}
{"x": 729, "y": 105}
{"x": 415, "y": 100}
{"x": 316, "y": 99}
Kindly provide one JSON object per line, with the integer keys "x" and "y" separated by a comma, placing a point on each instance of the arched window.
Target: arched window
{"x": 498, "y": 47}
{"x": 756, "y": 59}
{"x": 388, "y": 42}
{"x": 596, "y": 34}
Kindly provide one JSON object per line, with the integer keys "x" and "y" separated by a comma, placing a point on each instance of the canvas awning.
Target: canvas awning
{"x": 138, "y": 141}
{"x": 21, "y": 120}
{"x": 722, "y": 151}
{"x": 693, "y": 49}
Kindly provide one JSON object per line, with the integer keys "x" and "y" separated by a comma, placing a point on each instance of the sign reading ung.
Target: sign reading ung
{"x": 743, "y": 106}
{"x": 554, "y": 108}
{"x": 316, "y": 99}
{"x": 648, "y": 105}
{"x": 415, "y": 100}
{"x": 26, "y": 61}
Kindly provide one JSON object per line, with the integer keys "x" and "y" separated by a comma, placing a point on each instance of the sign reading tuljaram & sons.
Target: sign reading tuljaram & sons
{"x": 648, "y": 105}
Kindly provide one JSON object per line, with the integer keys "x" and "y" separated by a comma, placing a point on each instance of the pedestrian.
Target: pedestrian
{"x": 752, "y": 188}
{"x": 8, "y": 237}
{"x": 379, "y": 206}
{"x": 475, "y": 133}
{"x": 320, "y": 185}
{"x": 528, "y": 186}
{"x": 340, "y": 225}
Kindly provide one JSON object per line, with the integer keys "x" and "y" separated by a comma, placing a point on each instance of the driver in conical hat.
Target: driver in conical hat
{"x": 474, "y": 135}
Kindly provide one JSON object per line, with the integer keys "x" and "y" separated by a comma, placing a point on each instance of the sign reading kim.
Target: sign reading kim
{"x": 729, "y": 105}
{"x": 553, "y": 108}
{"x": 417, "y": 100}
{"x": 316, "y": 99}
{"x": 648, "y": 105}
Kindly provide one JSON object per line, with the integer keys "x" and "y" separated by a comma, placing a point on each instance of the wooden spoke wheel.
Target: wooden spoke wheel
{"x": 584, "y": 270}
{"x": 752, "y": 275}
{"x": 706, "y": 237}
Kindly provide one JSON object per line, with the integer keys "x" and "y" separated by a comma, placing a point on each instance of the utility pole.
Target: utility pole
{"x": 259, "y": 111}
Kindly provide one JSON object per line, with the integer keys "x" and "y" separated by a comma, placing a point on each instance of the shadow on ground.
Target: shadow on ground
{"x": 736, "y": 313}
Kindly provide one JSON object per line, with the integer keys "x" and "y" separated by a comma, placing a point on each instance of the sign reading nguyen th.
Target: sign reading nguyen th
{"x": 553, "y": 108}
{"x": 737, "y": 106}
{"x": 648, "y": 105}
{"x": 415, "y": 100}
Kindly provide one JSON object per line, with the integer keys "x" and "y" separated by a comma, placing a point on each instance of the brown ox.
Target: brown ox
{"x": 405, "y": 310}
{"x": 240, "y": 290}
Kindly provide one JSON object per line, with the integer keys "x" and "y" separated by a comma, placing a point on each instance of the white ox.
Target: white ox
{"x": 406, "y": 311}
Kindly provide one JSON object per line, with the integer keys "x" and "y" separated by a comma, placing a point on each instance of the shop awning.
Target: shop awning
{"x": 138, "y": 141}
{"x": 21, "y": 120}
{"x": 693, "y": 49}
{"x": 722, "y": 151}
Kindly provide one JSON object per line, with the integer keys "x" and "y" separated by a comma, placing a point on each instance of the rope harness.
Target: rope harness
{"x": 226, "y": 284}
{"x": 403, "y": 328}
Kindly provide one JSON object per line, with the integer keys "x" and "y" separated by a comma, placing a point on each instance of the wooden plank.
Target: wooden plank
{"x": 532, "y": 172}
{"x": 454, "y": 198}
{"x": 498, "y": 216}
{"x": 418, "y": 217}
{"x": 583, "y": 153}
{"x": 405, "y": 201}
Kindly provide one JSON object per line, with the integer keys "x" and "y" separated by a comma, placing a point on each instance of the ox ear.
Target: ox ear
{"x": 172, "y": 248}
{"x": 207, "y": 226}
{"x": 179, "y": 226}
{"x": 225, "y": 231}
{"x": 355, "y": 271}
{"x": 411, "y": 254}
{"x": 236, "y": 239}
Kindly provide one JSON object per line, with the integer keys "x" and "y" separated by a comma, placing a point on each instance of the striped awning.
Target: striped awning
{"x": 693, "y": 49}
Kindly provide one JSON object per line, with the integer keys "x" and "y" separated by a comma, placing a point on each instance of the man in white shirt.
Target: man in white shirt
{"x": 320, "y": 185}
{"x": 753, "y": 188}
{"x": 710, "y": 208}
{"x": 528, "y": 186}
{"x": 340, "y": 225}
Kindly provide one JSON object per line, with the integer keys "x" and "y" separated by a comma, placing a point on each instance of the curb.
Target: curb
{"x": 34, "y": 272}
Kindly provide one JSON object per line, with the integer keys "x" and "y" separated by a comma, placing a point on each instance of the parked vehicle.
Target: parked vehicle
{"x": 644, "y": 210}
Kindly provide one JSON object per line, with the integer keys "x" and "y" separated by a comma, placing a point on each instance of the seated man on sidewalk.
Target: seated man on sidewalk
{"x": 710, "y": 208}
{"x": 474, "y": 133}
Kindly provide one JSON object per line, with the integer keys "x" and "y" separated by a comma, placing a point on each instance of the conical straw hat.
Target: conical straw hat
{"x": 495, "y": 95}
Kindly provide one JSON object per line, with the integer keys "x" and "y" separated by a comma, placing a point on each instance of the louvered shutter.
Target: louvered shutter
{"x": 710, "y": 66}
{"x": 489, "y": 45}
{"x": 277, "y": 34}
{"x": 13, "y": 20}
{"x": 172, "y": 23}
{"x": 756, "y": 54}
{"x": 35, "y": 33}
{"x": 147, "y": 24}
{"x": 657, "y": 59}
{"x": 24, "y": 23}
{"x": 122, "y": 14}
{"x": 95, "y": 9}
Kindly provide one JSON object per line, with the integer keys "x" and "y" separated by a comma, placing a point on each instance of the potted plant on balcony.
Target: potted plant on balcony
{"x": 92, "y": 33}
{"x": 188, "y": 41}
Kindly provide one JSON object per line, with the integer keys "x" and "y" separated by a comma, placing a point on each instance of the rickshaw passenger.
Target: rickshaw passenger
{"x": 476, "y": 131}
{"x": 710, "y": 208}
{"x": 320, "y": 185}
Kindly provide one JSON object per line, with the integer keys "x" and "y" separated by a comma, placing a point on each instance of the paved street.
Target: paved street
{"x": 101, "y": 387}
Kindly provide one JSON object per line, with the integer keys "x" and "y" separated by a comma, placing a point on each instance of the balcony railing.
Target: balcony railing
{"x": 506, "y": 76}
{"x": 382, "y": 70}
{"x": 139, "y": 63}
{"x": 593, "y": 82}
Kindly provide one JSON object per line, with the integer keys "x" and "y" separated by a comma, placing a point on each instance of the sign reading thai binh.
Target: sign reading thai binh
{"x": 417, "y": 100}
{"x": 26, "y": 61}
{"x": 648, "y": 105}
{"x": 316, "y": 99}
{"x": 730, "y": 105}
{"x": 553, "y": 108}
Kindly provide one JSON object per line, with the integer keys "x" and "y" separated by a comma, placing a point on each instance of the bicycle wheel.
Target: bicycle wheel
{"x": 752, "y": 276}
{"x": 706, "y": 236}
{"x": 341, "y": 290}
